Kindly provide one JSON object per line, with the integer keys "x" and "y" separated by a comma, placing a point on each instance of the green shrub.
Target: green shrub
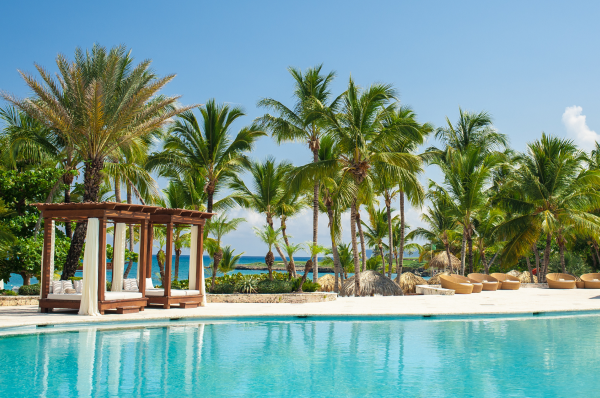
{"x": 75, "y": 278}
{"x": 108, "y": 286}
{"x": 30, "y": 290}
{"x": 310, "y": 287}
{"x": 7, "y": 293}
{"x": 247, "y": 285}
{"x": 275, "y": 286}
{"x": 182, "y": 284}
{"x": 224, "y": 288}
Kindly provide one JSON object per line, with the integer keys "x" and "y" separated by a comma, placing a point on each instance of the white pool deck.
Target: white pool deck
{"x": 521, "y": 301}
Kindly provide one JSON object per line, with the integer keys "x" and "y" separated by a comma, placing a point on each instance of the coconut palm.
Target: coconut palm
{"x": 301, "y": 124}
{"x": 98, "y": 104}
{"x": 377, "y": 231}
{"x": 485, "y": 224}
{"x": 363, "y": 140}
{"x": 175, "y": 199}
{"x": 268, "y": 185}
{"x": 271, "y": 237}
{"x": 290, "y": 205}
{"x": 205, "y": 147}
{"x": 291, "y": 249}
{"x": 551, "y": 189}
{"x": 218, "y": 227}
{"x": 229, "y": 260}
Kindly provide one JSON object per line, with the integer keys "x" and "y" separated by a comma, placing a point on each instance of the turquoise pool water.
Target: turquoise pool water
{"x": 521, "y": 357}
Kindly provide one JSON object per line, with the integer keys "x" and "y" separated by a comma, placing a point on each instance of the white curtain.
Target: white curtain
{"x": 89, "y": 291}
{"x": 118, "y": 263}
{"x": 193, "y": 251}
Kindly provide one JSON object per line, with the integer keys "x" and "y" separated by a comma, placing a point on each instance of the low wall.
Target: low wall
{"x": 290, "y": 298}
{"x": 6, "y": 301}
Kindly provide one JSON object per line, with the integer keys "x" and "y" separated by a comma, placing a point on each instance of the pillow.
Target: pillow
{"x": 78, "y": 285}
{"x": 130, "y": 285}
{"x": 70, "y": 291}
{"x": 149, "y": 284}
{"x": 67, "y": 285}
{"x": 595, "y": 280}
{"x": 57, "y": 287}
{"x": 561, "y": 280}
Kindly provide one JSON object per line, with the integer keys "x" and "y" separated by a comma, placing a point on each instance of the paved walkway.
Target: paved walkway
{"x": 499, "y": 302}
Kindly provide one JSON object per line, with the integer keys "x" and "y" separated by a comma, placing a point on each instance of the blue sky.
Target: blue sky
{"x": 533, "y": 65}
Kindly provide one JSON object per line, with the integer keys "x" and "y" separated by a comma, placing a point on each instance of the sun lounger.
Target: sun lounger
{"x": 507, "y": 282}
{"x": 592, "y": 281}
{"x": 561, "y": 281}
{"x": 458, "y": 285}
{"x": 477, "y": 286}
{"x": 174, "y": 292}
{"x": 490, "y": 284}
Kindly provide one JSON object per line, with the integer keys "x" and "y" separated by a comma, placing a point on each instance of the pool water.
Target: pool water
{"x": 518, "y": 357}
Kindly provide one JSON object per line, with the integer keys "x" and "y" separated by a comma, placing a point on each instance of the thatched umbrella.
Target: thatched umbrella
{"x": 327, "y": 283}
{"x": 514, "y": 273}
{"x": 526, "y": 278}
{"x": 436, "y": 279}
{"x": 440, "y": 261}
{"x": 409, "y": 282}
{"x": 372, "y": 283}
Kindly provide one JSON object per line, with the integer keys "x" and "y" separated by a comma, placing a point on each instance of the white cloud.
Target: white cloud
{"x": 577, "y": 127}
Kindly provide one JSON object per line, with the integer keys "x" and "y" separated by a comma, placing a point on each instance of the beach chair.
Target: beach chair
{"x": 490, "y": 284}
{"x": 477, "y": 286}
{"x": 458, "y": 285}
{"x": 507, "y": 282}
{"x": 561, "y": 281}
{"x": 591, "y": 281}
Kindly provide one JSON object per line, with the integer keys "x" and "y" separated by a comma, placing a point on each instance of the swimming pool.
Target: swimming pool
{"x": 521, "y": 357}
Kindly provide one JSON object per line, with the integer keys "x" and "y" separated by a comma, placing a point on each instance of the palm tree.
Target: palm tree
{"x": 290, "y": 205}
{"x": 313, "y": 251}
{"x": 485, "y": 224}
{"x": 229, "y": 260}
{"x": 301, "y": 124}
{"x": 175, "y": 199}
{"x": 363, "y": 140}
{"x": 269, "y": 181}
{"x": 100, "y": 103}
{"x": 291, "y": 249}
{"x": 271, "y": 237}
{"x": 550, "y": 190}
{"x": 206, "y": 149}
{"x": 377, "y": 231}
{"x": 218, "y": 227}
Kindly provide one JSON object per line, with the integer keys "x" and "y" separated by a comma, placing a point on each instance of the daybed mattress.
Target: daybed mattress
{"x": 174, "y": 292}
{"x": 107, "y": 296}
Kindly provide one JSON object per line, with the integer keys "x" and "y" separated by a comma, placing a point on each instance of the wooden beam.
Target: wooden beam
{"x": 199, "y": 259}
{"x": 101, "y": 259}
{"x": 74, "y": 214}
{"x": 47, "y": 252}
{"x": 149, "y": 243}
{"x": 142, "y": 257}
{"x": 168, "y": 260}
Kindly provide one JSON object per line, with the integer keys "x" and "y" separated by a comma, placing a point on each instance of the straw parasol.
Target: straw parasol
{"x": 440, "y": 261}
{"x": 514, "y": 273}
{"x": 526, "y": 278}
{"x": 409, "y": 282}
{"x": 372, "y": 283}
{"x": 436, "y": 279}
{"x": 327, "y": 283}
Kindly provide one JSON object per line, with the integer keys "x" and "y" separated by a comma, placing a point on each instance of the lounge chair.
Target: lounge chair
{"x": 452, "y": 283}
{"x": 561, "y": 281}
{"x": 477, "y": 286}
{"x": 489, "y": 283}
{"x": 592, "y": 281}
{"x": 507, "y": 282}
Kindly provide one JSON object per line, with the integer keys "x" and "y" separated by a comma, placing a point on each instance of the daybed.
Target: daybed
{"x": 591, "y": 281}
{"x": 459, "y": 287}
{"x": 489, "y": 283}
{"x": 561, "y": 281}
{"x": 507, "y": 282}
{"x": 477, "y": 286}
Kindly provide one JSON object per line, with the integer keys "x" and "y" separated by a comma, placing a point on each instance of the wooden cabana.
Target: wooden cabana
{"x": 195, "y": 295}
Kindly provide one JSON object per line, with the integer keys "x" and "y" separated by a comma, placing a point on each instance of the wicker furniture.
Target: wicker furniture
{"x": 477, "y": 286}
{"x": 507, "y": 282}
{"x": 489, "y": 283}
{"x": 591, "y": 281}
{"x": 458, "y": 285}
{"x": 561, "y": 281}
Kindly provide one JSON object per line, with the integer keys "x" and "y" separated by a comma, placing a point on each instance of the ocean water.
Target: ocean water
{"x": 184, "y": 266}
{"x": 519, "y": 357}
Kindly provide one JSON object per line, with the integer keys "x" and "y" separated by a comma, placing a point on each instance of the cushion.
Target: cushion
{"x": 562, "y": 280}
{"x": 70, "y": 291}
{"x": 595, "y": 280}
{"x": 149, "y": 284}
{"x": 466, "y": 284}
{"x": 130, "y": 285}
{"x": 67, "y": 285}
{"x": 57, "y": 287}
{"x": 78, "y": 285}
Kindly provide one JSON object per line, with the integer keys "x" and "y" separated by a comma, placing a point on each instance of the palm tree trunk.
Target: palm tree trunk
{"x": 131, "y": 237}
{"x": 561, "y": 250}
{"x": 382, "y": 257}
{"x": 546, "y": 258}
{"x": 177, "y": 255}
{"x": 463, "y": 252}
{"x": 470, "y": 240}
{"x": 315, "y": 218}
{"x": 283, "y": 258}
{"x": 537, "y": 261}
{"x": 209, "y": 201}
{"x": 363, "y": 248}
{"x": 292, "y": 265}
{"x": 492, "y": 262}
{"x": 117, "y": 189}
{"x": 399, "y": 266}
{"x": 388, "y": 206}
{"x": 529, "y": 268}
{"x": 334, "y": 251}
{"x": 448, "y": 255}
{"x": 401, "y": 247}
{"x": 216, "y": 261}
{"x": 91, "y": 184}
{"x": 353, "y": 222}
{"x": 68, "y": 180}
{"x": 596, "y": 251}
{"x": 160, "y": 259}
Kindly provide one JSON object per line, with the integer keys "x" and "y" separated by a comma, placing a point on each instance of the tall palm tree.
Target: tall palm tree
{"x": 218, "y": 227}
{"x": 362, "y": 138}
{"x": 206, "y": 148}
{"x": 301, "y": 124}
{"x": 99, "y": 103}
{"x": 229, "y": 260}
{"x": 268, "y": 185}
{"x": 290, "y": 205}
{"x": 175, "y": 199}
{"x": 271, "y": 237}
{"x": 377, "y": 231}
{"x": 485, "y": 224}
{"x": 551, "y": 189}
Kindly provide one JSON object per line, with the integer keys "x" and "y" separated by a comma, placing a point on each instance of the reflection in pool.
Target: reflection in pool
{"x": 555, "y": 356}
